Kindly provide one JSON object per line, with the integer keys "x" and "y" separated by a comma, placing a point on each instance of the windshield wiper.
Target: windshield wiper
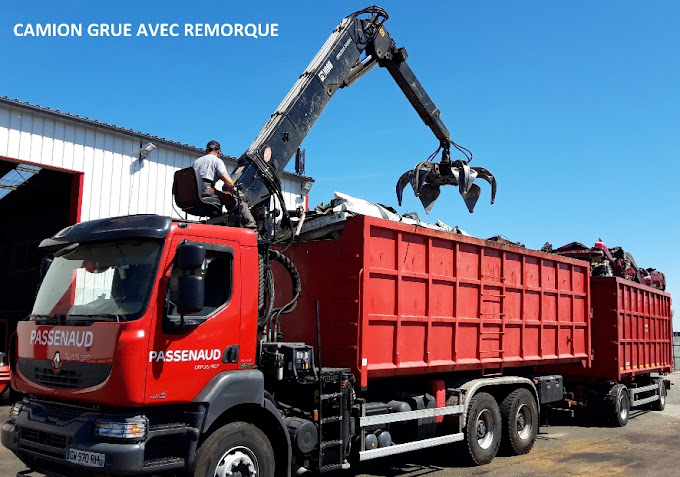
{"x": 48, "y": 319}
{"x": 96, "y": 316}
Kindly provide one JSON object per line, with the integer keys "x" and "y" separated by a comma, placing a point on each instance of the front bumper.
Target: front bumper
{"x": 42, "y": 433}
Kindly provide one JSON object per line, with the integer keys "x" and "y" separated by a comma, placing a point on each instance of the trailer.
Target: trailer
{"x": 632, "y": 350}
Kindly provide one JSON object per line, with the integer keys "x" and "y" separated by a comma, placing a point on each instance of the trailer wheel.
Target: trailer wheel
{"x": 660, "y": 405}
{"x": 520, "y": 422}
{"x": 619, "y": 405}
{"x": 237, "y": 448}
{"x": 483, "y": 428}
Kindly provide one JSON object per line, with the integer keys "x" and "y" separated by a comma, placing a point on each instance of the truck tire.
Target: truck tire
{"x": 520, "y": 422}
{"x": 483, "y": 428}
{"x": 237, "y": 447}
{"x": 660, "y": 405}
{"x": 619, "y": 405}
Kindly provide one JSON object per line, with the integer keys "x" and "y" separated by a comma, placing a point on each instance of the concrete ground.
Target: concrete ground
{"x": 648, "y": 446}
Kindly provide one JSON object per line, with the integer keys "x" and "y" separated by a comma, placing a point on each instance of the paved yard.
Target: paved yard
{"x": 648, "y": 446}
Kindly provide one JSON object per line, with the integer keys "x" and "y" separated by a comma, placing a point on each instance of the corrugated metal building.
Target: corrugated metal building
{"x": 57, "y": 169}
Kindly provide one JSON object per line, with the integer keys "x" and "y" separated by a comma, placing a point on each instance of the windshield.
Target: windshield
{"x": 98, "y": 282}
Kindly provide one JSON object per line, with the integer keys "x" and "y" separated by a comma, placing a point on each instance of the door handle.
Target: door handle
{"x": 230, "y": 354}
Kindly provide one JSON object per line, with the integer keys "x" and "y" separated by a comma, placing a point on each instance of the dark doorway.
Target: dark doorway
{"x": 35, "y": 204}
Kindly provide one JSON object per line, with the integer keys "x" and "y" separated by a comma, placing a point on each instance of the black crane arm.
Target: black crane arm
{"x": 356, "y": 45}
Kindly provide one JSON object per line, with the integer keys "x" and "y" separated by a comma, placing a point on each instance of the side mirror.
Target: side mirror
{"x": 190, "y": 294}
{"x": 189, "y": 256}
{"x": 189, "y": 298}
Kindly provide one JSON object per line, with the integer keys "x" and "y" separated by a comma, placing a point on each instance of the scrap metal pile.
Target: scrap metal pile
{"x": 614, "y": 262}
{"x": 327, "y": 222}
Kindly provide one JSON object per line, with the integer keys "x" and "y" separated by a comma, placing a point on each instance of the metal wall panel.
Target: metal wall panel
{"x": 115, "y": 181}
{"x": 292, "y": 193}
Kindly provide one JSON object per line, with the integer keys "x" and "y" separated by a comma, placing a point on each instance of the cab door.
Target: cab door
{"x": 181, "y": 361}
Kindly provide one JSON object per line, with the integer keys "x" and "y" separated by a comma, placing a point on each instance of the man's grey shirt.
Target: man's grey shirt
{"x": 210, "y": 167}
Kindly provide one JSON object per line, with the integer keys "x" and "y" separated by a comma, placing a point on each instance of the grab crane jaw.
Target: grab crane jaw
{"x": 427, "y": 178}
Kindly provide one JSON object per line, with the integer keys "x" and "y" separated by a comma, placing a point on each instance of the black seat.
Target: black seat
{"x": 187, "y": 188}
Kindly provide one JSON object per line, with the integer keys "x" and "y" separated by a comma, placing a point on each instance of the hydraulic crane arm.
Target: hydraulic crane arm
{"x": 338, "y": 64}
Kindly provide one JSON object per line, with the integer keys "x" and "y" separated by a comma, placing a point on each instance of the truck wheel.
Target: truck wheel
{"x": 483, "y": 428}
{"x": 660, "y": 405}
{"x": 238, "y": 448}
{"x": 619, "y": 405}
{"x": 520, "y": 422}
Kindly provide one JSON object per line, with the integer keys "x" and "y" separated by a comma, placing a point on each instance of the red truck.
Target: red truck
{"x": 159, "y": 345}
{"x": 405, "y": 338}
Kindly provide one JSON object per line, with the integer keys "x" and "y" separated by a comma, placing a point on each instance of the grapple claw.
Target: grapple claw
{"x": 464, "y": 178}
{"x": 472, "y": 197}
{"x": 488, "y": 177}
{"x": 428, "y": 195}
{"x": 401, "y": 183}
{"x": 427, "y": 177}
{"x": 416, "y": 177}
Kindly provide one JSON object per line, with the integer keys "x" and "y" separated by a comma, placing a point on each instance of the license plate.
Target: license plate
{"x": 88, "y": 459}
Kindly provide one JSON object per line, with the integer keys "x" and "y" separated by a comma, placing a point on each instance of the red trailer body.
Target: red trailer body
{"x": 631, "y": 331}
{"x": 400, "y": 299}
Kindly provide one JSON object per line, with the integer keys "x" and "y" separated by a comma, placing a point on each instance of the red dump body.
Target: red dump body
{"x": 399, "y": 299}
{"x": 631, "y": 331}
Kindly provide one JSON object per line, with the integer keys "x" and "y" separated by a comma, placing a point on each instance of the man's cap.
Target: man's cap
{"x": 212, "y": 146}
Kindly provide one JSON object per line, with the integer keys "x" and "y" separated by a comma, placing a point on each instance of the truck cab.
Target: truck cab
{"x": 109, "y": 355}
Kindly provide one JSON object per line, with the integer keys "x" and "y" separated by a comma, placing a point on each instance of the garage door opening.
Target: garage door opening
{"x": 35, "y": 203}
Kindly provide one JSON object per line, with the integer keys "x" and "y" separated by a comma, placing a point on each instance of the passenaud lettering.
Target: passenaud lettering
{"x": 178, "y": 355}
{"x": 80, "y": 339}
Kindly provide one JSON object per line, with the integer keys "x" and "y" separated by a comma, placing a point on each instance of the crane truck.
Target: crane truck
{"x": 158, "y": 345}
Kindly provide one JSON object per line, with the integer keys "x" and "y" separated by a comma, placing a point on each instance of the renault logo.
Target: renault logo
{"x": 56, "y": 362}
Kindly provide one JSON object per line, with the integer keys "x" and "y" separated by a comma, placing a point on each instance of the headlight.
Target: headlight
{"x": 131, "y": 428}
{"x": 15, "y": 410}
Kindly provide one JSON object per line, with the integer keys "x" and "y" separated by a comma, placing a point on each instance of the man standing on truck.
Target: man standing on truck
{"x": 210, "y": 168}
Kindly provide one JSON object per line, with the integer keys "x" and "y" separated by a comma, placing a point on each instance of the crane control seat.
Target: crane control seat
{"x": 186, "y": 188}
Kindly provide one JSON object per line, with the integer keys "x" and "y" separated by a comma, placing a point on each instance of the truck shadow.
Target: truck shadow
{"x": 416, "y": 464}
{"x": 585, "y": 418}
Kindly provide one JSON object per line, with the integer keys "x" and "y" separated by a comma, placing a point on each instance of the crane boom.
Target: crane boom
{"x": 355, "y": 46}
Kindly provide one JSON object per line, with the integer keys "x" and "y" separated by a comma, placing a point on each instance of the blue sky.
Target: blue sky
{"x": 574, "y": 106}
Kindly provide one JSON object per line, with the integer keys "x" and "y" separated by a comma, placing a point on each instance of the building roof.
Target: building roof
{"x": 118, "y": 129}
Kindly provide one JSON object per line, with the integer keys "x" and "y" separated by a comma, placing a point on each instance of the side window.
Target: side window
{"x": 217, "y": 272}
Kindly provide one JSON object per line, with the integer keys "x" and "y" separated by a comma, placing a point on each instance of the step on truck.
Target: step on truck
{"x": 203, "y": 347}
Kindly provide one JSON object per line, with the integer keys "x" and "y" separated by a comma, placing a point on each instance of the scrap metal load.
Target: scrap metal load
{"x": 614, "y": 262}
